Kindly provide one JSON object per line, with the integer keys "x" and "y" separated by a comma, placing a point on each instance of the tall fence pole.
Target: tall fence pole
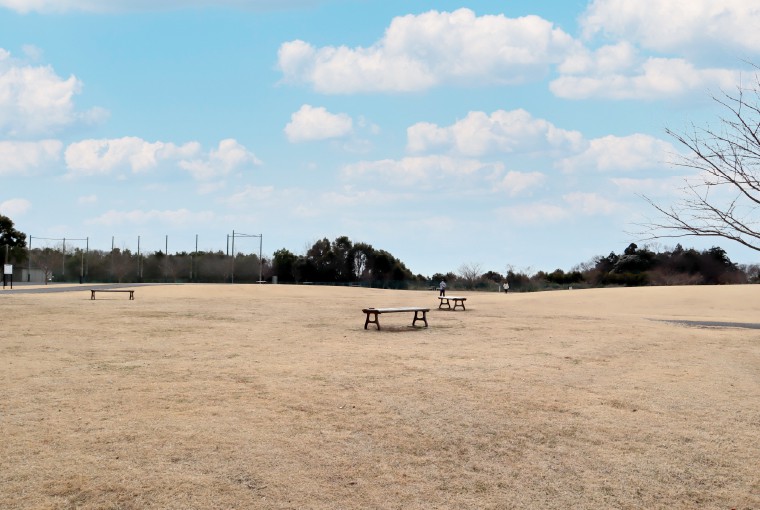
{"x": 139, "y": 265}
{"x": 232, "y": 273}
{"x": 112, "y": 254}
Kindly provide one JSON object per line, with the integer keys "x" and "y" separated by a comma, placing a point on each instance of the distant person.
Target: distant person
{"x": 506, "y": 287}
{"x": 442, "y": 288}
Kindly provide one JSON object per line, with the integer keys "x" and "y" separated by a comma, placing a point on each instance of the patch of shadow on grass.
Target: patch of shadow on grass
{"x": 713, "y": 324}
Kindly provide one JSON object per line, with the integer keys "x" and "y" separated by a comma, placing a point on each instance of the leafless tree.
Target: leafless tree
{"x": 723, "y": 198}
{"x": 470, "y": 273}
{"x": 47, "y": 260}
{"x": 121, "y": 263}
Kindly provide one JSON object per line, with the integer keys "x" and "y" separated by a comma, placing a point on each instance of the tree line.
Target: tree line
{"x": 344, "y": 262}
{"x": 338, "y": 262}
{"x": 637, "y": 267}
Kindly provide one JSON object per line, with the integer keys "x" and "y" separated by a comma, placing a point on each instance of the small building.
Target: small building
{"x": 27, "y": 275}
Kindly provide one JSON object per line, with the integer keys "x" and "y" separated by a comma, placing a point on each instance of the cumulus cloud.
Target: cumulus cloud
{"x": 677, "y": 25}
{"x": 103, "y": 157}
{"x": 15, "y": 207}
{"x": 34, "y": 100}
{"x": 132, "y": 154}
{"x": 27, "y": 158}
{"x": 175, "y": 218}
{"x": 229, "y": 157}
{"x": 620, "y": 154}
{"x": 517, "y": 183}
{"x": 311, "y": 123}
{"x": 606, "y": 60}
{"x": 420, "y": 170}
{"x": 100, "y": 6}
{"x": 653, "y": 78}
{"x": 418, "y": 52}
{"x": 500, "y": 132}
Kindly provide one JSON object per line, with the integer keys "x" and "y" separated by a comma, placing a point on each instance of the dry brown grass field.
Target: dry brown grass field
{"x": 245, "y": 396}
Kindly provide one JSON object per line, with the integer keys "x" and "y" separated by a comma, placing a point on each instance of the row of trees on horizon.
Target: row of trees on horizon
{"x": 344, "y": 262}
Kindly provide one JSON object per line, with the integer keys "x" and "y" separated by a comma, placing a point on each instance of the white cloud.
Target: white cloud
{"x": 654, "y": 78}
{"x": 677, "y": 25}
{"x": 175, "y": 218}
{"x": 316, "y": 123}
{"x": 103, "y": 157}
{"x": 620, "y": 154}
{"x": 35, "y": 100}
{"x": 27, "y": 158}
{"x": 516, "y": 183}
{"x": 418, "y": 52}
{"x": 15, "y": 207}
{"x": 421, "y": 170}
{"x": 479, "y": 134}
{"x": 32, "y": 52}
{"x": 229, "y": 157}
{"x": 610, "y": 59}
{"x": 101, "y": 6}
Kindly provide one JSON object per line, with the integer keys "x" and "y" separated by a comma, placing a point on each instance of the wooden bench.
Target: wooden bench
{"x": 131, "y": 292}
{"x": 375, "y": 313}
{"x": 458, "y": 301}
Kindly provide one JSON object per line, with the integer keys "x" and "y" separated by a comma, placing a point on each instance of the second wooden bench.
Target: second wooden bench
{"x": 458, "y": 301}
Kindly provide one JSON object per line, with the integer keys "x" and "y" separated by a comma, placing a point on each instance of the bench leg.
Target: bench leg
{"x": 376, "y": 322}
{"x": 445, "y": 302}
{"x": 418, "y": 318}
{"x": 460, "y": 303}
{"x": 132, "y": 295}
{"x": 93, "y": 295}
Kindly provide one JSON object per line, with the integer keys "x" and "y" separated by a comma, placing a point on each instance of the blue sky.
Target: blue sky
{"x": 504, "y": 134}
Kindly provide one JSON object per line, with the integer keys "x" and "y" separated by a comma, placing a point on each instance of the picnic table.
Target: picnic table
{"x": 375, "y": 314}
{"x": 446, "y": 301}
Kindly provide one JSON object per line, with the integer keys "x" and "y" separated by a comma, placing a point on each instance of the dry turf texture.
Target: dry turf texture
{"x": 214, "y": 396}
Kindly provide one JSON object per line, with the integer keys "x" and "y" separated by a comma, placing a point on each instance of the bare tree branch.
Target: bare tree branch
{"x": 723, "y": 198}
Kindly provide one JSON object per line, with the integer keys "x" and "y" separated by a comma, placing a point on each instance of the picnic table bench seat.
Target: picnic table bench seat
{"x": 446, "y": 301}
{"x": 131, "y": 292}
{"x": 373, "y": 314}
